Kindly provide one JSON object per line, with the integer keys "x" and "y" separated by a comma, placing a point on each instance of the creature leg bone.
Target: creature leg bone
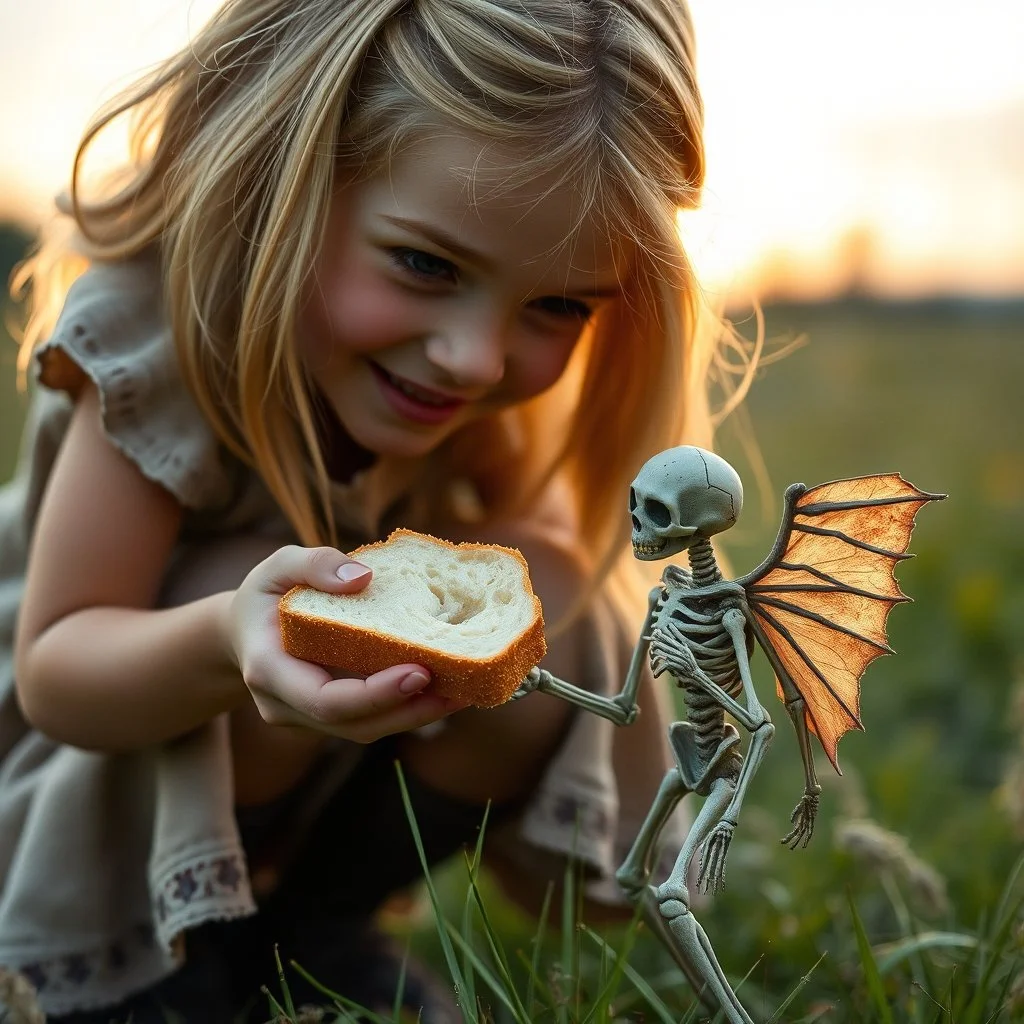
{"x": 632, "y": 876}
{"x": 688, "y": 939}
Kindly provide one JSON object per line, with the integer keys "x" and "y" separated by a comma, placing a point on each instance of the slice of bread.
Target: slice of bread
{"x": 466, "y": 612}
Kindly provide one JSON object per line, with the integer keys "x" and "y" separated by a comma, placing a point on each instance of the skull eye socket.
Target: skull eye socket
{"x": 632, "y": 500}
{"x": 657, "y": 512}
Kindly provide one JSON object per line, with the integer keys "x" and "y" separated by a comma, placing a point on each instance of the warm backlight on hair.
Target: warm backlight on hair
{"x": 874, "y": 146}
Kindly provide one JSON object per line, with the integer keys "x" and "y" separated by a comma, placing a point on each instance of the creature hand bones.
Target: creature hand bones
{"x": 817, "y": 607}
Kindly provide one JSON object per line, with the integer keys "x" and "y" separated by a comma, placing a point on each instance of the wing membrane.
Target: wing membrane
{"x": 821, "y": 599}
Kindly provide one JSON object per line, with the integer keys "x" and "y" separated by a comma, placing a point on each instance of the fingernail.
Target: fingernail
{"x": 413, "y": 681}
{"x": 352, "y": 571}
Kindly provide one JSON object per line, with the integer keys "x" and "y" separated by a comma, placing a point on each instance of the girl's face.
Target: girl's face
{"x": 441, "y": 295}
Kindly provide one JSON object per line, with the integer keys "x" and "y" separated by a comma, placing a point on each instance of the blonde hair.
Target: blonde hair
{"x": 239, "y": 140}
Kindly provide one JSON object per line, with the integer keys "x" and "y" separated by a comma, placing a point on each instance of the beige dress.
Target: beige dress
{"x": 107, "y": 859}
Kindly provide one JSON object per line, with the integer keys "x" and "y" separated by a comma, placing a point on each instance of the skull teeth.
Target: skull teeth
{"x": 640, "y": 548}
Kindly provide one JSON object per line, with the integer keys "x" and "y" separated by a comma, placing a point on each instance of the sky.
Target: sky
{"x": 876, "y": 145}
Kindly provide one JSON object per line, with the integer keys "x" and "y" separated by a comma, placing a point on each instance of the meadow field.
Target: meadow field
{"x": 918, "y": 838}
{"x": 918, "y": 842}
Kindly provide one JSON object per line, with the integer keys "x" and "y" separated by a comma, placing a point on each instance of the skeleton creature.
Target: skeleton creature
{"x": 817, "y": 606}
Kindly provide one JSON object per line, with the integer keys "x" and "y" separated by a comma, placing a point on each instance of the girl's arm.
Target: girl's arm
{"x": 96, "y": 666}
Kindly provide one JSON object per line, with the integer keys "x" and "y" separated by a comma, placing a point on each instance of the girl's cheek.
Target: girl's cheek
{"x": 539, "y": 369}
{"x": 372, "y": 320}
{"x": 365, "y": 313}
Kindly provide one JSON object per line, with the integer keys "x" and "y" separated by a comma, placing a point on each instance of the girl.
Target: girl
{"x": 375, "y": 262}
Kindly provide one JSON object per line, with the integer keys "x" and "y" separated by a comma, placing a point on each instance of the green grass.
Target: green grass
{"x": 906, "y": 905}
{"x": 506, "y": 975}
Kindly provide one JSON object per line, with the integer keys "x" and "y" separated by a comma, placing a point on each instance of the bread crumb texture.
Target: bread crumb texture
{"x": 467, "y": 612}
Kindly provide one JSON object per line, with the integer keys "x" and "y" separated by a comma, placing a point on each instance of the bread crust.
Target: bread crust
{"x": 481, "y": 682}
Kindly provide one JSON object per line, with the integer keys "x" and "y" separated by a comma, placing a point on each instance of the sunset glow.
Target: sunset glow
{"x": 877, "y": 145}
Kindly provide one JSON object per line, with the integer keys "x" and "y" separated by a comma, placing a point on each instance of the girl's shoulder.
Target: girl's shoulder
{"x": 111, "y": 306}
{"x": 113, "y": 331}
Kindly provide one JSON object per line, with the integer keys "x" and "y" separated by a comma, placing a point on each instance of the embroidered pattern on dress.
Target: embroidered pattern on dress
{"x": 205, "y": 879}
{"x": 212, "y": 879}
{"x": 73, "y": 970}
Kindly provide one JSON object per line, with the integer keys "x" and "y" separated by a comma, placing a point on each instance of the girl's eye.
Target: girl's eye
{"x": 571, "y": 309}
{"x": 423, "y": 264}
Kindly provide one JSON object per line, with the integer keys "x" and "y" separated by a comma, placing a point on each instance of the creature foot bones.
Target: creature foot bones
{"x": 803, "y": 822}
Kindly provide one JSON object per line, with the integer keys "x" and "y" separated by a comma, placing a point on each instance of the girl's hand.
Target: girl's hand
{"x": 287, "y": 691}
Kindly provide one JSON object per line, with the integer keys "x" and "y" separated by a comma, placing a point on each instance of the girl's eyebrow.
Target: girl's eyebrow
{"x": 441, "y": 238}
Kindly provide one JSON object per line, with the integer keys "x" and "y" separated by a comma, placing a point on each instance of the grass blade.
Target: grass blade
{"x": 341, "y": 1002}
{"x": 867, "y": 959}
{"x": 396, "y": 1006}
{"x": 796, "y": 991}
{"x": 1005, "y": 916}
{"x": 468, "y": 974}
{"x": 499, "y": 955}
{"x": 996, "y": 948}
{"x": 538, "y": 943}
{"x": 611, "y": 983}
{"x": 545, "y": 997}
{"x": 1005, "y": 909}
{"x": 503, "y": 992}
{"x": 892, "y": 953}
{"x": 288, "y": 1004}
{"x": 467, "y": 1008}
{"x": 537, "y": 984}
{"x": 568, "y": 964}
{"x": 473, "y": 869}
{"x": 275, "y": 1007}
{"x": 652, "y": 998}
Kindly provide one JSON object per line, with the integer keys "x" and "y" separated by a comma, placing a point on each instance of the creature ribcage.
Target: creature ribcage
{"x": 817, "y": 607}
{"x": 683, "y": 635}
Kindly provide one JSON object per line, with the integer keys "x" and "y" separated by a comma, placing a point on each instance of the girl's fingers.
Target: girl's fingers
{"x": 322, "y": 568}
{"x": 327, "y": 703}
{"x": 277, "y": 681}
{"x": 419, "y": 710}
{"x": 385, "y": 718}
{"x": 343, "y": 700}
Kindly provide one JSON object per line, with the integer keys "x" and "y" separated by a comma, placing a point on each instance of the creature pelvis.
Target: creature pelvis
{"x": 697, "y": 770}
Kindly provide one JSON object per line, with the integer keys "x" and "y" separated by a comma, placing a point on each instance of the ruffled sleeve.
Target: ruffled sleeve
{"x": 113, "y": 331}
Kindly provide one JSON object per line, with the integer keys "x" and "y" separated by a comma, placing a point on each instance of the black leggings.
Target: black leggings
{"x": 359, "y": 851}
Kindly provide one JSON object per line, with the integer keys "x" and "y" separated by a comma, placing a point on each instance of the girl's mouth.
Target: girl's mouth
{"x": 412, "y": 402}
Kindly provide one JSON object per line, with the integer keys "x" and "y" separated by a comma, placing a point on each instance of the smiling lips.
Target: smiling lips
{"x": 413, "y": 402}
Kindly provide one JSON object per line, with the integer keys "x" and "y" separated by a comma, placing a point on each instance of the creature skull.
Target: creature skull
{"x": 681, "y": 494}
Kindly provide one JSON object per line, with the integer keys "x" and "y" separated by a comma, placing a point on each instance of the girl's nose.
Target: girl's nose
{"x": 472, "y": 354}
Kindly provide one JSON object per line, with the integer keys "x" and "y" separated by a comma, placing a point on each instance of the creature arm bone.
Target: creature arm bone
{"x": 621, "y": 709}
